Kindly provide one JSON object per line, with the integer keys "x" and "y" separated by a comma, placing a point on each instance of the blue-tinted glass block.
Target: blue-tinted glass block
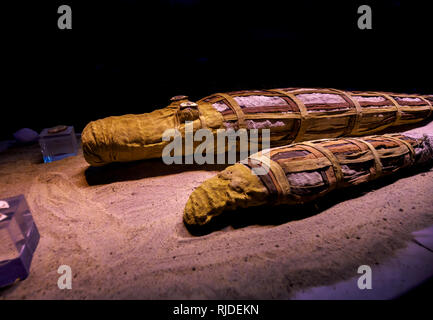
{"x": 19, "y": 238}
{"x": 58, "y": 144}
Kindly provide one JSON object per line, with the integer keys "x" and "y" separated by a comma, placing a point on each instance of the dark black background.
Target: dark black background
{"x": 130, "y": 56}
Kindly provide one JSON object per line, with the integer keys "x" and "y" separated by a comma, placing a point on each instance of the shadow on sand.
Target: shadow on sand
{"x": 116, "y": 172}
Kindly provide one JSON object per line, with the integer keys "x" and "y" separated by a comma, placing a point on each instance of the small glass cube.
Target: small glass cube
{"x": 19, "y": 238}
{"x": 58, "y": 143}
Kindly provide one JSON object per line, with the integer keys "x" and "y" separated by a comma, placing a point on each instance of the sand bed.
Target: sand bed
{"x": 120, "y": 229}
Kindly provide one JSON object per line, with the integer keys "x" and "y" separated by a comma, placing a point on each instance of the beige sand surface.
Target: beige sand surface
{"x": 120, "y": 230}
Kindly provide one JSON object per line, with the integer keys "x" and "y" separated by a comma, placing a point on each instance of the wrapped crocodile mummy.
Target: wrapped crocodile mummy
{"x": 292, "y": 115}
{"x": 304, "y": 171}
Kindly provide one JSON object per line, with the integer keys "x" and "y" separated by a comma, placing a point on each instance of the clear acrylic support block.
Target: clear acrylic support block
{"x": 19, "y": 238}
{"x": 58, "y": 145}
